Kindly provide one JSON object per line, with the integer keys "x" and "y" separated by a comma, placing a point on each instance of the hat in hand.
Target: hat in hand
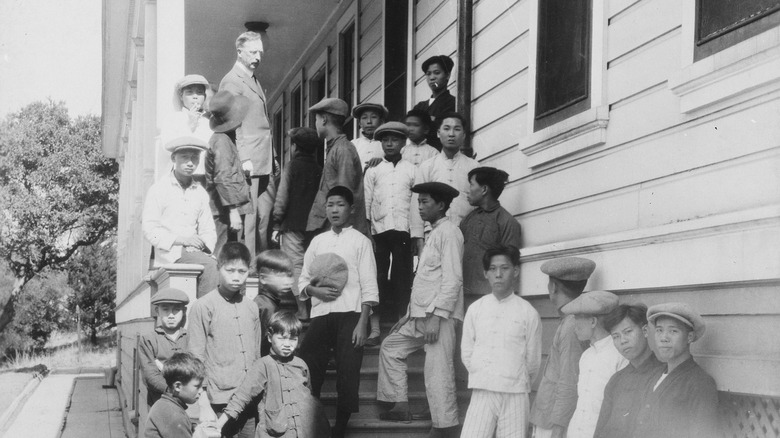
{"x": 227, "y": 111}
{"x": 329, "y": 270}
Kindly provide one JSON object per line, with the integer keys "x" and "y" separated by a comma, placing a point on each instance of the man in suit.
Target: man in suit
{"x": 253, "y": 137}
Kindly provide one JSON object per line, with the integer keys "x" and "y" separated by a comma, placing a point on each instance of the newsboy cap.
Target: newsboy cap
{"x": 443, "y": 60}
{"x": 391, "y": 128}
{"x": 329, "y": 270}
{"x": 681, "y": 312}
{"x": 596, "y": 302}
{"x": 170, "y": 295}
{"x": 438, "y": 189}
{"x": 380, "y": 109}
{"x": 569, "y": 268}
{"x": 186, "y": 142}
{"x": 191, "y": 80}
{"x": 331, "y": 105}
{"x": 228, "y": 111}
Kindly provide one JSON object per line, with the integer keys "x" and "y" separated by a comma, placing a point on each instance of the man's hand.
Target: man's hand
{"x": 417, "y": 247}
{"x": 275, "y": 236}
{"x": 247, "y": 167}
{"x": 359, "y": 335}
{"x": 373, "y": 162}
{"x": 326, "y": 294}
{"x": 207, "y": 414}
{"x": 235, "y": 220}
{"x": 194, "y": 241}
{"x": 432, "y": 329}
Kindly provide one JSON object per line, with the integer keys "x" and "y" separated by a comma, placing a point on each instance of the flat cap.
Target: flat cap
{"x": 681, "y": 312}
{"x": 329, "y": 270}
{"x": 331, "y": 105}
{"x": 438, "y": 189}
{"x": 391, "y": 128}
{"x": 170, "y": 295}
{"x": 443, "y": 60}
{"x": 358, "y": 110}
{"x": 597, "y": 302}
{"x": 191, "y": 80}
{"x": 569, "y": 268}
{"x": 186, "y": 142}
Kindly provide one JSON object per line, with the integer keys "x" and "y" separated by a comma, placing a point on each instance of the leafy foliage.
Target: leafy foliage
{"x": 92, "y": 276}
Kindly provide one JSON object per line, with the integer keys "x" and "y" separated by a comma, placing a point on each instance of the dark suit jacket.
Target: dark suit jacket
{"x": 225, "y": 181}
{"x": 443, "y": 104}
{"x": 253, "y": 137}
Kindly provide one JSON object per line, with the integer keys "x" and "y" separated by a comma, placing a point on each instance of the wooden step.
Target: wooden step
{"x": 371, "y": 358}
{"x": 370, "y": 408}
{"x": 366, "y": 428}
{"x": 368, "y": 377}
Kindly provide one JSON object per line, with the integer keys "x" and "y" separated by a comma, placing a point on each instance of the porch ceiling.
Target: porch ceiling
{"x": 211, "y": 29}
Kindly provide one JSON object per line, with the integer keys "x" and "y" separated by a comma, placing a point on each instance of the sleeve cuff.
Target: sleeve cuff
{"x": 442, "y": 313}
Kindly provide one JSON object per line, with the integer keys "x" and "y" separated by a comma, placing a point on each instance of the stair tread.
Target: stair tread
{"x": 366, "y": 395}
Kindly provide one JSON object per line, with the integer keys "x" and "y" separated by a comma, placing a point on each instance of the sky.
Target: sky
{"x": 50, "y": 49}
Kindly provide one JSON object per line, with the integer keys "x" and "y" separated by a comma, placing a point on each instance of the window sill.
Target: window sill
{"x": 568, "y": 138}
{"x": 728, "y": 74}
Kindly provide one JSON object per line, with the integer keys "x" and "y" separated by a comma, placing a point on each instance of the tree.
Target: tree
{"x": 57, "y": 191}
{"x": 92, "y": 276}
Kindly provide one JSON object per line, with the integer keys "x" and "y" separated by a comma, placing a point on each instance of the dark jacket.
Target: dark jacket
{"x": 443, "y": 104}
{"x": 225, "y": 180}
{"x": 156, "y": 346}
{"x": 296, "y": 193}
{"x": 168, "y": 419}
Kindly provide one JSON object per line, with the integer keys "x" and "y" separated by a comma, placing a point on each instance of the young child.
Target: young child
{"x": 339, "y": 319}
{"x": 225, "y": 333}
{"x": 388, "y": 203}
{"x": 417, "y": 149}
{"x": 294, "y": 199}
{"x": 183, "y": 374}
{"x": 624, "y": 394}
{"x": 342, "y": 166}
{"x": 287, "y": 408}
{"x": 168, "y": 338}
{"x": 437, "y": 70}
{"x": 435, "y": 306}
{"x": 502, "y": 350}
{"x": 274, "y": 269}
{"x": 225, "y": 180}
{"x": 369, "y": 116}
{"x": 598, "y": 363}
{"x": 681, "y": 399}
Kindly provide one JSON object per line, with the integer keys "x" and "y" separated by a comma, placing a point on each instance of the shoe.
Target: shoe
{"x": 373, "y": 341}
{"x": 423, "y": 415}
{"x": 395, "y": 416}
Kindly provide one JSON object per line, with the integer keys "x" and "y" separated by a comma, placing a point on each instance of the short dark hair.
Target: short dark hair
{"x": 424, "y": 117}
{"x": 440, "y": 197}
{"x": 343, "y": 192}
{"x": 183, "y": 367}
{"x": 275, "y": 260}
{"x": 453, "y": 115}
{"x": 282, "y": 322}
{"x": 571, "y": 288}
{"x": 635, "y": 312}
{"x": 234, "y": 251}
{"x": 305, "y": 138}
{"x": 512, "y": 253}
{"x": 493, "y": 179}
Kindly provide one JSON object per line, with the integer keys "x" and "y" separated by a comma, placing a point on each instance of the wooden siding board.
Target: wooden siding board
{"x": 371, "y": 60}
{"x": 500, "y": 101}
{"x": 500, "y": 32}
{"x": 370, "y": 13}
{"x": 442, "y": 19}
{"x": 428, "y": 7}
{"x": 501, "y": 135}
{"x": 369, "y": 85}
{"x": 641, "y": 24}
{"x": 508, "y": 61}
{"x": 370, "y": 40}
{"x": 486, "y": 12}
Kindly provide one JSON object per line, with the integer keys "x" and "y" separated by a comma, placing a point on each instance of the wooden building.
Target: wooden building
{"x": 642, "y": 134}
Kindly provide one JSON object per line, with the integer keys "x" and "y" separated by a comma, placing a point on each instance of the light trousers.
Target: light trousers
{"x": 501, "y": 413}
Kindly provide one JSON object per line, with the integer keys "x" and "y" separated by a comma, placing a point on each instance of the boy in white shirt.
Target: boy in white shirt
{"x": 417, "y": 149}
{"x": 369, "y": 117}
{"x": 502, "y": 350}
{"x": 598, "y": 363}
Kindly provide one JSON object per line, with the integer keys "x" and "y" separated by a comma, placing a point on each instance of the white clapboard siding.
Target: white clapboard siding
{"x": 435, "y": 33}
{"x": 371, "y": 52}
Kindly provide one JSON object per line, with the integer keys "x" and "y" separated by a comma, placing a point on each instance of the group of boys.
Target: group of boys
{"x": 372, "y": 208}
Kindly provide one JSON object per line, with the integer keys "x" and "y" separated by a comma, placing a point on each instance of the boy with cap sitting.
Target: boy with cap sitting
{"x": 225, "y": 180}
{"x": 502, "y": 350}
{"x": 176, "y": 218}
{"x": 293, "y": 202}
{"x": 556, "y": 396}
{"x": 339, "y": 310}
{"x": 437, "y": 71}
{"x": 342, "y": 166}
{"x": 623, "y": 395}
{"x": 488, "y": 225}
{"x": 369, "y": 116}
{"x": 418, "y": 125}
{"x": 449, "y": 166}
{"x": 388, "y": 203}
{"x": 429, "y": 323}
{"x": 681, "y": 399}
{"x": 168, "y": 338}
{"x": 598, "y": 363}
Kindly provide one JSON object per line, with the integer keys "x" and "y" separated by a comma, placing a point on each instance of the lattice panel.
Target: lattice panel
{"x": 750, "y": 416}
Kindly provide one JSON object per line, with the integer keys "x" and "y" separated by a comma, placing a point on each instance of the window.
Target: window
{"x": 347, "y": 72}
{"x": 278, "y": 133}
{"x": 723, "y": 23}
{"x": 563, "y": 60}
{"x": 296, "y": 115}
{"x": 396, "y": 38}
{"x": 316, "y": 90}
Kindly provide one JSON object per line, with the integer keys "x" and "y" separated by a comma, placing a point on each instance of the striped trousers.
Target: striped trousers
{"x": 501, "y": 413}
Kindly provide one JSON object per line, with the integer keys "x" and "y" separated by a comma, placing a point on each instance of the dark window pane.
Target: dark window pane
{"x": 723, "y": 23}
{"x": 396, "y": 23}
{"x": 295, "y": 108}
{"x": 347, "y": 82}
{"x": 563, "y": 60}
